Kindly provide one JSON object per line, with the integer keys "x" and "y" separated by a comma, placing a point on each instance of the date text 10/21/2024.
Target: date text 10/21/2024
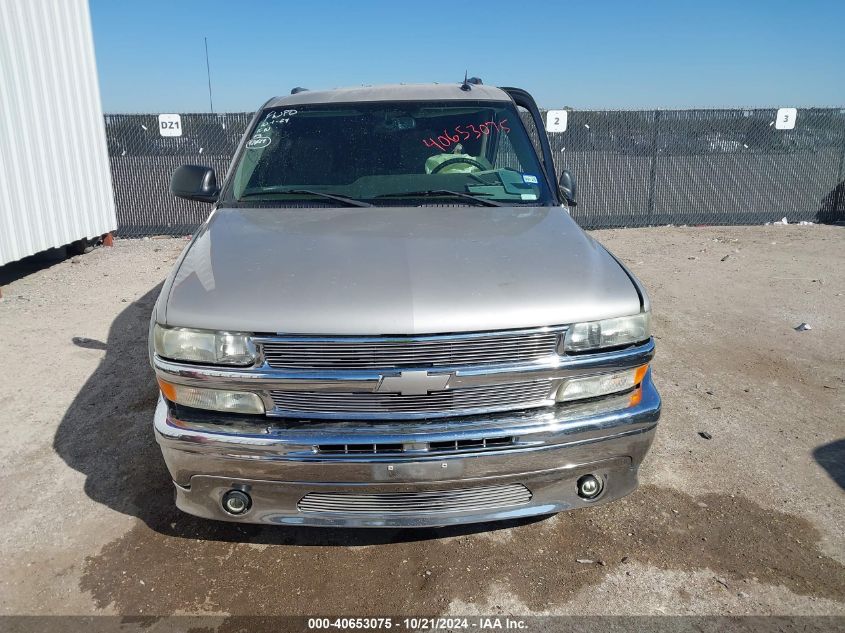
{"x": 465, "y": 132}
{"x": 484, "y": 623}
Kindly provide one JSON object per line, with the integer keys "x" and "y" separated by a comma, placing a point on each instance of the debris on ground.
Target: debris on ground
{"x": 725, "y": 257}
{"x": 584, "y": 561}
{"x": 784, "y": 221}
{"x": 803, "y": 327}
{"x": 705, "y": 435}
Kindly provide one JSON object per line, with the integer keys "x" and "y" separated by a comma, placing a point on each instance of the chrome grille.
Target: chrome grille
{"x": 425, "y": 351}
{"x": 423, "y": 502}
{"x": 447, "y": 402}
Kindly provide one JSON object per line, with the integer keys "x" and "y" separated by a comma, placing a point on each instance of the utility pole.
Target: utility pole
{"x": 208, "y": 71}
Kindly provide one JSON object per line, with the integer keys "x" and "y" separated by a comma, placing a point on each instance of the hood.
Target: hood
{"x": 394, "y": 270}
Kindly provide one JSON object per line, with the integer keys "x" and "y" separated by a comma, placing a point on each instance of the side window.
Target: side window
{"x": 533, "y": 132}
{"x": 506, "y": 156}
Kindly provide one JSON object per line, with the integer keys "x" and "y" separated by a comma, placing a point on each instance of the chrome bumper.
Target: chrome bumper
{"x": 276, "y": 464}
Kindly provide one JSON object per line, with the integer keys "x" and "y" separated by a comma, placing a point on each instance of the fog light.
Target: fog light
{"x": 589, "y": 487}
{"x": 236, "y": 502}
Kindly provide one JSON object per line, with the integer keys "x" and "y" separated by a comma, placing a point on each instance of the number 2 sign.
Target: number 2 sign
{"x": 170, "y": 125}
{"x": 785, "y": 119}
{"x": 556, "y": 121}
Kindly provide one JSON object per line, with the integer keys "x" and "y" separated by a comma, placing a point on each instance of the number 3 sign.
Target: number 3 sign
{"x": 556, "y": 121}
{"x": 785, "y": 119}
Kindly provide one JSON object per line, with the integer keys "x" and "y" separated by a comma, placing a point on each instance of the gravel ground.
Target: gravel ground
{"x": 750, "y": 521}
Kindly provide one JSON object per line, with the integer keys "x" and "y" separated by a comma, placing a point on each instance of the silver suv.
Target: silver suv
{"x": 390, "y": 319}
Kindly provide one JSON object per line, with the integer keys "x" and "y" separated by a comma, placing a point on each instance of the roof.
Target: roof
{"x": 393, "y": 92}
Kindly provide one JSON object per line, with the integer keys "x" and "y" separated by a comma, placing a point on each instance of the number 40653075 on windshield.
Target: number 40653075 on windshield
{"x": 466, "y": 132}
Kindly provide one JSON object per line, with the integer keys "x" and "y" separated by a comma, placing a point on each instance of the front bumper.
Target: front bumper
{"x": 278, "y": 466}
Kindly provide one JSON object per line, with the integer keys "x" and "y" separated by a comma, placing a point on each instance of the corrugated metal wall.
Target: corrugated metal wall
{"x": 55, "y": 183}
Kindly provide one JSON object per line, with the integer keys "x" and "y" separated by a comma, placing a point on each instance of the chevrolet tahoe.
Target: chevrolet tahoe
{"x": 389, "y": 319}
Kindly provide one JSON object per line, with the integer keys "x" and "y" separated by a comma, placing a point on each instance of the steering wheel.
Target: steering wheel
{"x": 456, "y": 160}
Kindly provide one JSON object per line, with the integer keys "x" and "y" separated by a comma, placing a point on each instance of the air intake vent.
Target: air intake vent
{"x": 430, "y": 448}
{"x": 469, "y": 445}
{"x": 358, "y": 449}
{"x": 425, "y": 502}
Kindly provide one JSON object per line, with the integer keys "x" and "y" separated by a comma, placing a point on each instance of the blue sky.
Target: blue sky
{"x": 634, "y": 54}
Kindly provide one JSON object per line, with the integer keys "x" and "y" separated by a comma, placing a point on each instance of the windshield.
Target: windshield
{"x": 390, "y": 153}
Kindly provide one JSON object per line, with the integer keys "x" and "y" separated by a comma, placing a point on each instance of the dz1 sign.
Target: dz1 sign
{"x": 170, "y": 125}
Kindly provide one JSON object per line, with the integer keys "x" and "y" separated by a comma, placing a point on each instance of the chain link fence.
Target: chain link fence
{"x": 633, "y": 168}
{"x": 142, "y": 161}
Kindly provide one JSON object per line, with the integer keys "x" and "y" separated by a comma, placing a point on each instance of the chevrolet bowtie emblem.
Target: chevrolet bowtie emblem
{"x": 413, "y": 383}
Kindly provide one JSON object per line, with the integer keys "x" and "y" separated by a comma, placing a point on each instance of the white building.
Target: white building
{"x": 55, "y": 183}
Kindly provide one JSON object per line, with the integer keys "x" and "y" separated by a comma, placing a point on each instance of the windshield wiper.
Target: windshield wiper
{"x": 352, "y": 202}
{"x": 442, "y": 192}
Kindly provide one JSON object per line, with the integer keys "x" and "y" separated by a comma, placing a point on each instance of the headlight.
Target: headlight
{"x": 602, "y": 385}
{"x": 204, "y": 346}
{"x": 625, "y": 330}
{"x": 214, "y": 399}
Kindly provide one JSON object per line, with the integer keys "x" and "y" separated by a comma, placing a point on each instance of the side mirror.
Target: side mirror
{"x": 567, "y": 187}
{"x": 195, "y": 182}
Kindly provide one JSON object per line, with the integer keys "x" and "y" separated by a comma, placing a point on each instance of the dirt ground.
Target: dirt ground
{"x": 751, "y": 521}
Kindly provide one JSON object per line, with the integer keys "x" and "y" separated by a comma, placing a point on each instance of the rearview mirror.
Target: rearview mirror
{"x": 195, "y": 182}
{"x": 567, "y": 187}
